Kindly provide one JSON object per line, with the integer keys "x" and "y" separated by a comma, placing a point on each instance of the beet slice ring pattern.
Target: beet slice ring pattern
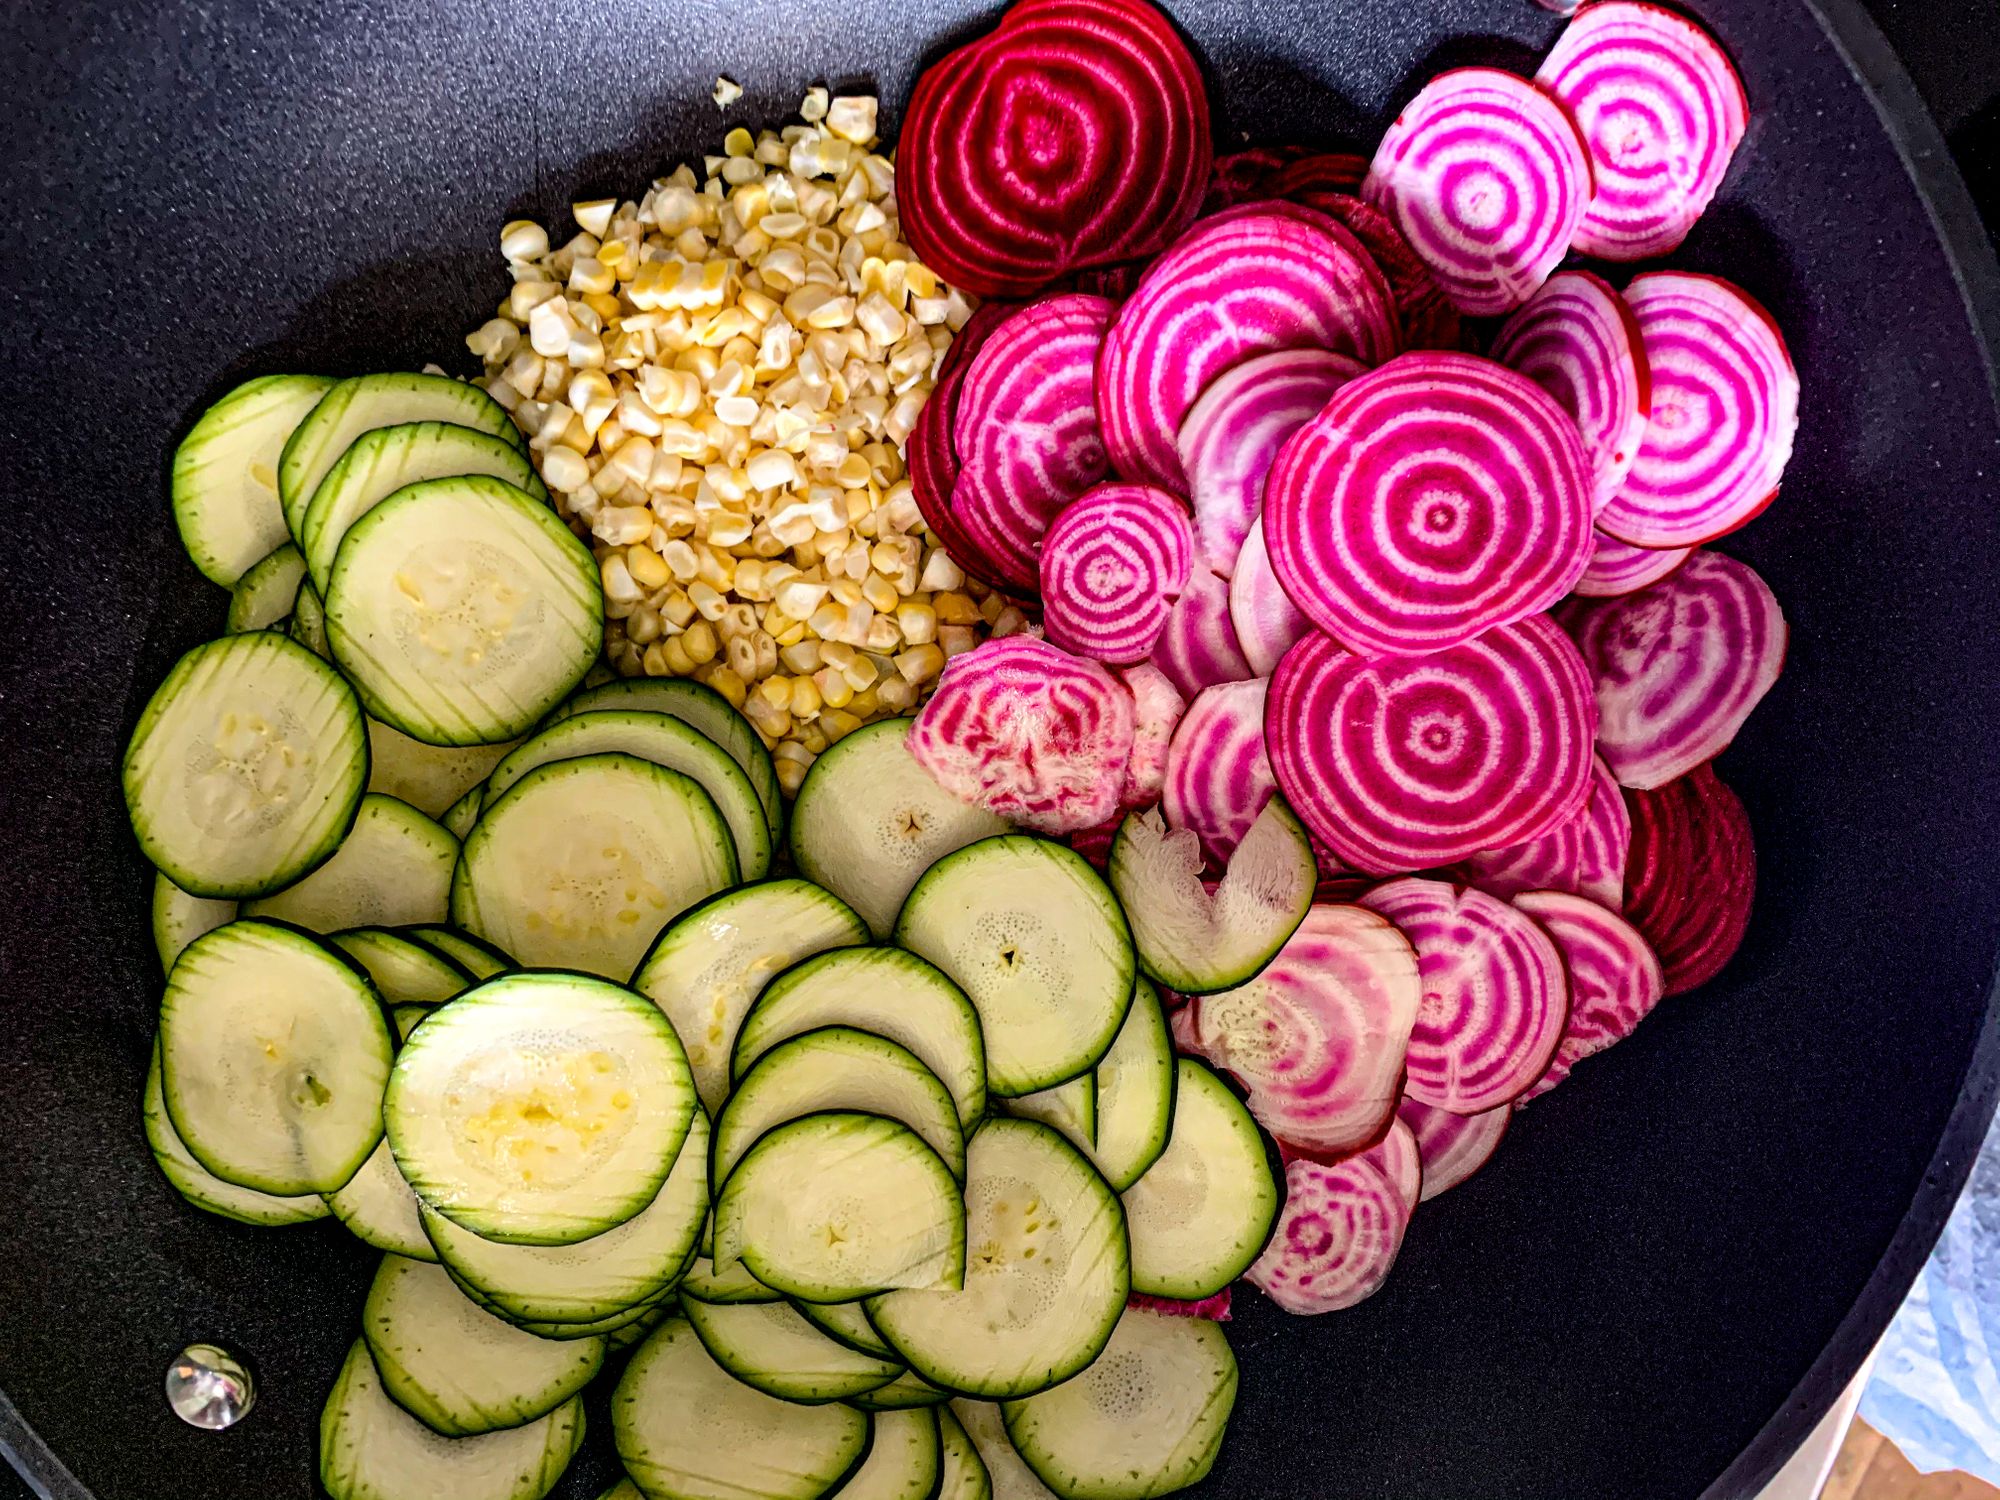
{"x": 1453, "y": 1146}
{"x": 1617, "y": 567}
{"x": 1487, "y": 179}
{"x": 1431, "y": 499}
{"x": 1157, "y": 706}
{"x": 1661, "y": 112}
{"x": 1218, "y": 775}
{"x": 1075, "y": 134}
{"x": 1267, "y": 623}
{"x": 1692, "y": 876}
{"x": 931, "y": 456}
{"x": 1584, "y": 855}
{"x": 1112, "y": 565}
{"x": 1199, "y": 647}
{"x": 1614, "y": 978}
{"x": 1725, "y": 409}
{"x": 1341, "y": 1229}
{"x": 1495, "y": 994}
{"x": 1428, "y": 319}
{"x": 1412, "y": 763}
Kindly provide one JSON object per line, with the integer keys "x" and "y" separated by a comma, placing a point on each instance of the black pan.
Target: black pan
{"x": 1677, "y": 1259}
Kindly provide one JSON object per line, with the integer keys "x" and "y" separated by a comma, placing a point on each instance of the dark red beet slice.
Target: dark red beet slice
{"x": 931, "y": 455}
{"x": 1453, "y": 1146}
{"x": 1215, "y": 1308}
{"x": 1322, "y": 172}
{"x": 1341, "y": 1229}
{"x": 1614, "y": 978}
{"x": 1692, "y": 875}
{"x": 1246, "y": 175}
{"x": 1428, "y": 319}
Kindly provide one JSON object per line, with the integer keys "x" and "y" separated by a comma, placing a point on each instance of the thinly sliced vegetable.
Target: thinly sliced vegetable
{"x": 462, "y": 814}
{"x": 1218, "y": 776}
{"x": 376, "y": 1204}
{"x": 202, "y": 1187}
{"x": 1430, "y": 500}
{"x": 1428, "y": 319}
{"x": 1488, "y": 180}
{"x": 770, "y": 1347}
{"x": 1266, "y": 621}
{"x": 965, "y": 1476}
{"x": 986, "y": 1429}
{"x": 1341, "y": 1230}
{"x": 708, "y": 1283}
{"x": 393, "y": 868}
{"x": 404, "y": 970}
{"x": 1661, "y": 112}
{"x": 1112, "y": 565}
{"x": 1135, "y": 1093}
{"x": 178, "y": 918}
{"x": 846, "y": 1323}
{"x": 1198, "y": 647}
{"x": 1157, "y": 706}
{"x": 1692, "y": 876}
{"x": 904, "y": 1460}
{"x": 1679, "y": 665}
{"x": 1495, "y": 997}
{"x": 1585, "y": 854}
{"x": 225, "y": 477}
{"x": 1725, "y": 411}
{"x": 431, "y": 778}
{"x": 1614, "y": 978}
{"x": 308, "y": 625}
{"x": 263, "y": 598}
{"x": 1620, "y": 568}
{"x": 1070, "y": 1108}
{"x": 1453, "y": 1147}
{"x": 905, "y": 1393}
{"x": 1215, "y": 1309}
{"x": 1408, "y": 763}
{"x": 480, "y": 960}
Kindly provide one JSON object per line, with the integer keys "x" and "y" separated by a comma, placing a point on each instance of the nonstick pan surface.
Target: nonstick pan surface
{"x": 1678, "y": 1257}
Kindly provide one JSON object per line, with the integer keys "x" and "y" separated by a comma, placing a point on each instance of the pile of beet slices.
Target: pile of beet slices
{"x": 1338, "y": 480}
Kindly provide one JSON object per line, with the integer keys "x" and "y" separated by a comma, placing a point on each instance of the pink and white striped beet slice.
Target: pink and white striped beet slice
{"x": 1317, "y": 1038}
{"x": 1487, "y": 179}
{"x": 1254, "y": 278}
{"x": 1431, "y": 499}
{"x": 1339, "y": 1235}
{"x": 1661, "y": 112}
{"x": 1614, "y": 977}
{"x": 1679, "y": 665}
{"x": 1215, "y": 1309}
{"x": 1427, "y": 318}
{"x": 1453, "y": 1146}
{"x": 1412, "y": 763}
{"x": 1218, "y": 776}
{"x": 1198, "y": 648}
{"x": 1235, "y": 429}
{"x": 1725, "y": 412}
{"x": 1266, "y": 622}
{"x": 1577, "y": 340}
{"x": 1028, "y": 731}
{"x": 1112, "y": 566}
{"x": 1584, "y": 855}
{"x": 1620, "y": 568}
{"x": 1495, "y": 998}
{"x": 1157, "y": 706}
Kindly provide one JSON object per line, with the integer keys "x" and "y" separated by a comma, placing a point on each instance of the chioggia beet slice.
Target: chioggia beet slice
{"x": 931, "y": 455}
{"x": 1157, "y": 706}
{"x": 1617, "y": 567}
{"x": 1112, "y": 566}
{"x": 1266, "y": 622}
{"x": 1584, "y": 855}
{"x": 1198, "y": 648}
{"x": 1614, "y": 977}
{"x": 1218, "y": 775}
{"x": 1340, "y": 1232}
{"x": 1692, "y": 876}
{"x": 1215, "y": 1309}
{"x": 1428, "y": 319}
{"x": 1453, "y": 1146}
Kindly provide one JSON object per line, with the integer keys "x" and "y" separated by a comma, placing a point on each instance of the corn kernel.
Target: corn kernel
{"x": 678, "y": 609}
{"x": 523, "y": 240}
{"x": 708, "y": 603}
{"x": 917, "y": 621}
{"x": 700, "y": 642}
{"x": 804, "y": 696}
{"x": 654, "y": 662}
{"x": 791, "y": 775}
{"x": 801, "y": 657}
{"x": 956, "y": 640}
{"x": 648, "y": 568}
{"x": 880, "y": 593}
{"x": 920, "y": 664}
{"x": 954, "y": 608}
{"x": 741, "y": 653}
{"x": 728, "y": 682}
{"x": 642, "y": 626}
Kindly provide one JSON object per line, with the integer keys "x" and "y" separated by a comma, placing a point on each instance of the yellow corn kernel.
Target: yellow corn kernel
{"x": 920, "y": 664}
{"x": 861, "y": 674}
{"x": 805, "y": 699}
{"x": 776, "y": 691}
{"x": 834, "y": 689}
{"x": 865, "y": 705}
{"x": 643, "y": 626}
{"x": 647, "y": 567}
{"x": 880, "y": 593}
{"x": 791, "y": 775}
{"x": 678, "y": 661}
{"x": 837, "y": 723}
{"x": 700, "y": 643}
{"x": 730, "y": 684}
{"x": 654, "y": 662}
{"x": 917, "y": 621}
{"x": 954, "y": 608}
{"x": 814, "y": 739}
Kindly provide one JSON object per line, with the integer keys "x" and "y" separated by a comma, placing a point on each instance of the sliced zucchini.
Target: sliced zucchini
{"x": 714, "y": 960}
{"x": 583, "y": 861}
{"x": 463, "y": 813}
{"x": 845, "y": 1323}
{"x": 404, "y": 970}
{"x": 540, "y": 1109}
{"x": 904, "y": 1393}
{"x": 273, "y": 1056}
{"x": 225, "y": 476}
{"x": 1205, "y": 1210}
{"x": 1046, "y": 1288}
{"x": 624, "y": 1489}
{"x": 264, "y": 595}
{"x": 687, "y": 1429}
{"x": 393, "y": 868}
{"x": 1008, "y": 1474}
{"x": 707, "y": 1282}
{"x": 1068, "y": 1107}
{"x": 837, "y": 1067}
{"x": 768, "y": 1346}
{"x": 665, "y": 741}
{"x": 308, "y": 626}
{"x": 431, "y": 778}
{"x": 202, "y": 1187}
{"x": 480, "y": 960}
{"x": 617, "y": 1322}
{"x": 904, "y": 1461}
{"x": 405, "y": 1019}
{"x": 463, "y": 610}
{"x": 1147, "y": 1419}
{"x": 886, "y": 991}
{"x": 840, "y": 1205}
{"x": 364, "y": 403}
{"x": 964, "y": 1473}
{"x": 178, "y": 918}
{"x": 702, "y": 709}
{"x": 1135, "y": 1092}
{"x": 379, "y": 463}
{"x": 246, "y": 768}
{"x": 600, "y": 1278}
{"x": 1038, "y": 943}
{"x": 378, "y": 1206}
{"x": 869, "y": 821}
{"x": 634, "y": 1333}
{"x": 371, "y": 1449}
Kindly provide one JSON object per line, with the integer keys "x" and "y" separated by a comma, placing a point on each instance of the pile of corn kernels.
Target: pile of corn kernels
{"x": 717, "y": 383}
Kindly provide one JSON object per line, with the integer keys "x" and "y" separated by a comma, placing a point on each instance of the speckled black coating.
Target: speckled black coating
{"x": 1678, "y": 1256}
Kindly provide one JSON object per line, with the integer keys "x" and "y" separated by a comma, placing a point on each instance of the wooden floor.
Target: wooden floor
{"x": 1870, "y": 1468}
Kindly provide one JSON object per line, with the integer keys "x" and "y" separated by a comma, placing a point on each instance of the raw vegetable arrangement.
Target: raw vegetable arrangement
{"x": 1303, "y": 582}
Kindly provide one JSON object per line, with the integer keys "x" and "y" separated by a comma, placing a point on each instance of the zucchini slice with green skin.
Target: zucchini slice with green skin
{"x": 618, "y": 1322}
{"x": 454, "y": 1366}
{"x": 583, "y": 861}
{"x": 431, "y": 778}
{"x": 869, "y": 821}
{"x": 462, "y": 814}
{"x": 705, "y": 1282}
{"x": 964, "y": 1475}
{"x": 905, "y": 1461}
{"x": 769, "y": 1347}
{"x": 273, "y": 1055}
{"x": 225, "y": 474}
{"x": 178, "y": 918}
{"x": 379, "y": 463}
{"x": 601, "y": 1277}
{"x": 264, "y": 595}
{"x": 703, "y": 710}
{"x": 665, "y": 741}
{"x": 202, "y": 1187}
{"x": 836, "y": 1206}
{"x": 1147, "y": 1419}
{"x": 905, "y": 1393}
{"x": 247, "y": 767}
{"x": 885, "y": 991}
{"x": 463, "y": 610}
{"x": 308, "y": 625}
{"x": 404, "y": 970}
{"x": 371, "y": 1449}
{"x": 1008, "y": 1474}
{"x": 393, "y": 869}
{"x": 845, "y": 1323}
{"x": 540, "y": 1109}
{"x": 1044, "y": 1292}
{"x": 634, "y": 1333}
{"x": 365, "y": 402}
{"x": 714, "y": 960}
{"x": 686, "y": 1429}
{"x": 1135, "y": 1092}
{"x": 1039, "y": 945}
{"x": 1068, "y": 1107}
{"x": 1205, "y": 1210}
{"x": 378, "y": 1206}
{"x": 480, "y": 960}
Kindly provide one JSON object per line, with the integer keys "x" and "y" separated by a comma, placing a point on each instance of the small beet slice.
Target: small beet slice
{"x": 1246, "y": 175}
{"x": 1614, "y": 977}
{"x": 1679, "y": 665}
{"x": 1495, "y": 995}
{"x": 1215, "y": 1309}
{"x": 1266, "y": 621}
{"x": 1340, "y": 1233}
{"x": 1157, "y": 706}
{"x": 1487, "y": 179}
{"x": 1218, "y": 776}
{"x": 1661, "y": 112}
{"x": 1584, "y": 855}
{"x": 1030, "y": 732}
{"x": 1199, "y": 647}
{"x": 1453, "y": 1146}
{"x": 1620, "y": 568}
{"x": 1112, "y": 566}
{"x": 931, "y": 456}
{"x": 1692, "y": 877}
{"x": 1075, "y": 134}
{"x": 1322, "y": 172}
{"x": 1428, "y": 319}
